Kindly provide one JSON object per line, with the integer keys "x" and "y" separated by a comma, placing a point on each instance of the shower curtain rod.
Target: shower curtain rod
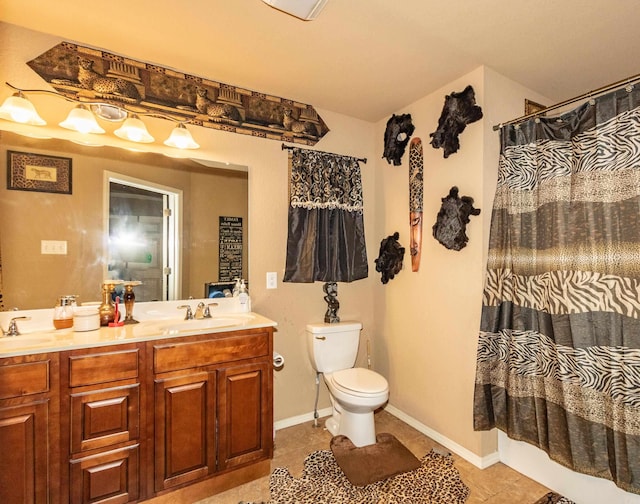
{"x": 291, "y": 147}
{"x": 628, "y": 81}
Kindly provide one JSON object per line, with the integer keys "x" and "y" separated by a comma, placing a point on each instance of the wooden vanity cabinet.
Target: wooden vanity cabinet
{"x": 101, "y": 397}
{"x": 136, "y": 421}
{"x": 29, "y": 432}
{"x": 213, "y": 404}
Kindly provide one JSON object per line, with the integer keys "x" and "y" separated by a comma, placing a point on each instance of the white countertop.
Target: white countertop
{"x": 157, "y": 320}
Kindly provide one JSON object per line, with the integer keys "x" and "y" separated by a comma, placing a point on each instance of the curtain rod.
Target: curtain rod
{"x": 628, "y": 81}
{"x": 290, "y": 147}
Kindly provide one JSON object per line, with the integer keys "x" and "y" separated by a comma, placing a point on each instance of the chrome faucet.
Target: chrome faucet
{"x": 189, "y": 314}
{"x": 202, "y": 310}
{"x": 12, "y": 330}
{"x": 207, "y": 312}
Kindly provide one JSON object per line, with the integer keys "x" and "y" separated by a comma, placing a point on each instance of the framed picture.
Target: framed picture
{"x": 35, "y": 172}
{"x": 531, "y": 107}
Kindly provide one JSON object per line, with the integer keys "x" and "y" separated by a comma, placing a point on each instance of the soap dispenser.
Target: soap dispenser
{"x": 236, "y": 288}
{"x": 63, "y": 312}
{"x": 243, "y": 296}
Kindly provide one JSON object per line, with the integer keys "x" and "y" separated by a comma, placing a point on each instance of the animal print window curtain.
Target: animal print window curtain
{"x": 558, "y": 362}
{"x": 326, "y": 227}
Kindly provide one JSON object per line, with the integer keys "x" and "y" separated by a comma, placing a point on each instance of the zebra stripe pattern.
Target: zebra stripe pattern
{"x": 609, "y": 372}
{"x": 613, "y": 146}
{"x": 564, "y": 292}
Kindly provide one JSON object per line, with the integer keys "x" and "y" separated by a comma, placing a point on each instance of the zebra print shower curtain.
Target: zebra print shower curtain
{"x": 558, "y": 362}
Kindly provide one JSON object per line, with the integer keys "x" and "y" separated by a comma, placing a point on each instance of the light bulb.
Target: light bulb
{"x": 18, "y": 109}
{"x": 81, "y": 119}
{"x": 134, "y": 130}
{"x": 181, "y": 138}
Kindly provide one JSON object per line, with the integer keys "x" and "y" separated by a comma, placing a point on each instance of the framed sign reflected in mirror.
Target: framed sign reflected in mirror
{"x": 35, "y": 172}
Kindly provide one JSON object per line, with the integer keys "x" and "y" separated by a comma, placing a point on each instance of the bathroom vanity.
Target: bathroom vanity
{"x": 166, "y": 410}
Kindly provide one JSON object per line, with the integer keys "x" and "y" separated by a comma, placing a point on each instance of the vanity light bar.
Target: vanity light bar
{"x": 17, "y": 108}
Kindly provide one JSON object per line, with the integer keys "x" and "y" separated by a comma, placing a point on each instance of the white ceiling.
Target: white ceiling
{"x": 362, "y": 58}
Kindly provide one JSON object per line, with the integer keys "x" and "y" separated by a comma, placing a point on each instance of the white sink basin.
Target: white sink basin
{"x": 23, "y": 341}
{"x": 208, "y": 323}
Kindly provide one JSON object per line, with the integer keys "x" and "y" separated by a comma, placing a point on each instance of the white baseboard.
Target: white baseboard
{"x": 481, "y": 462}
{"x": 291, "y": 421}
{"x": 469, "y": 456}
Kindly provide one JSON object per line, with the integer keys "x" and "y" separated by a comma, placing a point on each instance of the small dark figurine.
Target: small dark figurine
{"x": 389, "y": 261}
{"x": 453, "y": 217}
{"x": 333, "y": 305}
{"x": 459, "y": 110}
{"x": 396, "y": 137}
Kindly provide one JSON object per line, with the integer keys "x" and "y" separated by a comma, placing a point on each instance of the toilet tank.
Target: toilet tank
{"x": 333, "y": 347}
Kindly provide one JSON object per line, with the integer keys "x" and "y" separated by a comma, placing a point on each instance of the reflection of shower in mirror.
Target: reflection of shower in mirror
{"x": 142, "y": 237}
{"x": 33, "y": 280}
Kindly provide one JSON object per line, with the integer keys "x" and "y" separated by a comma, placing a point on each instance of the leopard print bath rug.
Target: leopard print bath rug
{"x": 553, "y": 498}
{"x": 436, "y": 481}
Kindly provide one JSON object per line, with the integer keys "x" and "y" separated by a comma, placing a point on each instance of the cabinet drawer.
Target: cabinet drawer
{"x": 108, "y": 478}
{"x": 175, "y": 356}
{"x": 92, "y": 369}
{"x": 104, "y": 417}
{"x": 17, "y": 380}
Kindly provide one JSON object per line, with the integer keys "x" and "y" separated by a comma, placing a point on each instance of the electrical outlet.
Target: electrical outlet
{"x": 58, "y": 247}
{"x": 272, "y": 280}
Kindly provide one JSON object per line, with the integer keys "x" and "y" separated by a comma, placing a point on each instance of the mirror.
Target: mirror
{"x": 35, "y": 223}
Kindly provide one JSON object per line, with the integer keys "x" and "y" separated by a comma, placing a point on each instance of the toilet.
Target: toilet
{"x": 355, "y": 392}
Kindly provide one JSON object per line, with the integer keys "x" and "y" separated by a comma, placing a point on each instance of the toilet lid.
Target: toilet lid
{"x": 360, "y": 380}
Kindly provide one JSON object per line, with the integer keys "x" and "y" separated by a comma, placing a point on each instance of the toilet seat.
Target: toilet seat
{"x": 359, "y": 381}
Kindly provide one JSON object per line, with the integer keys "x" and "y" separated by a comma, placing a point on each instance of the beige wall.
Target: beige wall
{"x": 429, "y": 319}
{"x": 226, "y": 194}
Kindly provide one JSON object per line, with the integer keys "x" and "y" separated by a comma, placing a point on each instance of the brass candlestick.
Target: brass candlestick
{"x": 129, "y": 299}
{"x": 107, "y": 308}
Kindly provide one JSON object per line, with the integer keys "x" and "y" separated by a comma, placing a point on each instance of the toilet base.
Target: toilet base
{"x": 332, "y": 425}
{"x": 358, "y": 427}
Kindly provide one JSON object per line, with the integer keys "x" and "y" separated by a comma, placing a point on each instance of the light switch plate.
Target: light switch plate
{"x": 272, "y": 280}
{"x": 58, "y": 247}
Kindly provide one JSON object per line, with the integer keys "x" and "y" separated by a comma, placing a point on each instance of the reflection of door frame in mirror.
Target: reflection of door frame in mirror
{"x": 172, "y": 262}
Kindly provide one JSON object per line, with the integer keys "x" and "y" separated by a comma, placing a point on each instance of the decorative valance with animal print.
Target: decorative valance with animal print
{"x": 88, "y": 74}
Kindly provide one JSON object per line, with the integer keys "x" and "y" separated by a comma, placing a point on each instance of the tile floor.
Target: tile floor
{"x": 497, "y": 484}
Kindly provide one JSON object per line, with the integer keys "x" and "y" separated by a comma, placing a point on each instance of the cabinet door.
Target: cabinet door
{"x": 244, "y": 414}
{"x": 24, "y": 443}
{"x": 185, "y": 429}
